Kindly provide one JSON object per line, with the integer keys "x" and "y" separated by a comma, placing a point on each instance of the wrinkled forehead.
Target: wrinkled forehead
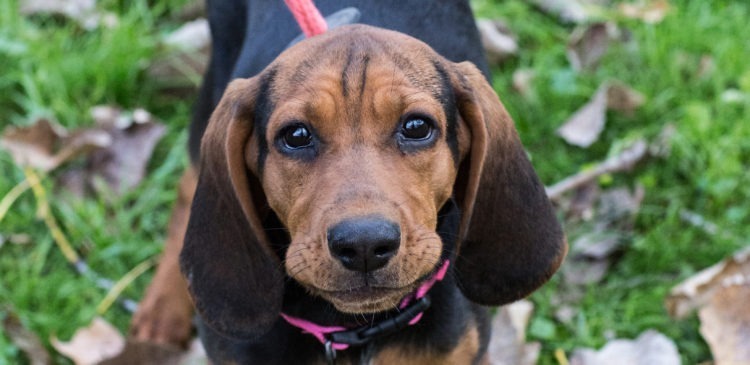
{"x": 350, "y": 54}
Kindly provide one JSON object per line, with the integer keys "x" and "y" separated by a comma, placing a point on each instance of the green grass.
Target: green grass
{"x": 51, "y": 67}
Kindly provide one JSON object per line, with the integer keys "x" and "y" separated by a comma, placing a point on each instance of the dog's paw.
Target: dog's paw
{"x": 163, "y": 316}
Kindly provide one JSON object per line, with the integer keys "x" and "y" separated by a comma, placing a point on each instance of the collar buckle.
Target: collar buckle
{"x": 362, "y": 335}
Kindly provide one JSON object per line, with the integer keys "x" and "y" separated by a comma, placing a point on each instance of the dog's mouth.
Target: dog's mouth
{"x": 373, "y": 298}
{"x": 366, "y": 299}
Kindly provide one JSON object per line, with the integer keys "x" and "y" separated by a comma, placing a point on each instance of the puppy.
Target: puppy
{"x": 363, "y": 195}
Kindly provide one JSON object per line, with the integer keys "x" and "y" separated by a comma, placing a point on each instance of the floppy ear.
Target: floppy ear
{"x": 233, "y": 275}
{"x": 511, "y": 241}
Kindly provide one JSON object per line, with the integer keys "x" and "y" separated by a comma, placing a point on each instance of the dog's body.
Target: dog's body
{"x": 339, "y": 179}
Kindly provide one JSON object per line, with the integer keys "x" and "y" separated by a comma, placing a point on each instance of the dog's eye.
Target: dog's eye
{"x": 296, "y": 136}
{"x": 416, "y": 128}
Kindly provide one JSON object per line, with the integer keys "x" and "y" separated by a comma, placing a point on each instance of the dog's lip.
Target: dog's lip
{"x": 366, "y": 291}
{"x": 369, "y": 292}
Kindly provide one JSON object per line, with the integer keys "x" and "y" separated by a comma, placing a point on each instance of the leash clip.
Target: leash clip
{"x": 330, "y": 352}
{"x": 362, "y": 335}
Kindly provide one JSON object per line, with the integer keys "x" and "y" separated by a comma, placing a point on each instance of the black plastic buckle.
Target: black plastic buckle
{"x": 330, "y": 353}
{"x": 365, "y": 334}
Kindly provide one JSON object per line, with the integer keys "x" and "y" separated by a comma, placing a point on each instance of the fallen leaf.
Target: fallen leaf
{"x": 650, "y": 348}
{"x": 522, "y": 79}
{"x": 591, "y": 252}
{"x": 700, "y": 289}
{"x": 569, "y": 11}
{"x": 498, "y": 41}
{"x": 622, "y": 98}
{"x": 585, "y": 125}
{"x": 25, "y": 340}
{"x": 191, "y": 36}
{"x": 619, "y": 206}
{"x": 725, "y": 323}
{"x": 582, "y": 271}
{"x": 46, "y": 145}
{"x": 508, "y": 344}
{"x": 624, "y": 160}
{"x": 90, "y": 345}
{"x": 82, "y": 11}
{"x": 649, "y": 11}
{"x": 588, "y": 44}
{"x": 121, "y": 165}
{"x": 581, "y": 205}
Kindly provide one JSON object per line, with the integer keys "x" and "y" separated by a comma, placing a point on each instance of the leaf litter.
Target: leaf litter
{"x": 121, "y": 164}
{"x": 584, "y": 127}
{"x": 26, "y": 340}
{"x": 650, "y": 348}
{"x": 498, "y": 40}
{"x": 92, "y": 344}
{"x": 720, "y": 294}
{"x": 508, "y": 344}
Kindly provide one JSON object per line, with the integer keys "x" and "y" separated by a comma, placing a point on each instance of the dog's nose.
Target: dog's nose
{"x": 364, "y": 244}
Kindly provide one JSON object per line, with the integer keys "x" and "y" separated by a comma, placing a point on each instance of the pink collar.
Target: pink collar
{"x": 321, "y": 332}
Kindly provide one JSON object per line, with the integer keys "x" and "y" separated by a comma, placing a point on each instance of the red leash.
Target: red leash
{"x": 308, "y": 17}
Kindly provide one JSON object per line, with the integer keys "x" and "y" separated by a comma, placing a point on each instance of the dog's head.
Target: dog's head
{"x": 355, "y": 140}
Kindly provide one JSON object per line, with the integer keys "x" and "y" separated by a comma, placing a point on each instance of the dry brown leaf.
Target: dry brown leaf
{"x": 45, "y": 145}
{"x": 612, "y": 220}
{"x": 725, "y": 323}
{"x": 585, "y": 125}
{"x": 25, "y": 340}
{"x": 508, "y": 344}
{"x": 92, "y": 344}
{"x": 698, "y": 290}
{"x": 619, "y": 206}
{"x": 622, "y": 98}
{"x": 649, "y": 11}
{"x": 588, "y": 44}
{"x": 623, "y": 161}
{"x": 498, "y": 41}
{"x": 122, "y": 164}
{"x": 650, "y": 348}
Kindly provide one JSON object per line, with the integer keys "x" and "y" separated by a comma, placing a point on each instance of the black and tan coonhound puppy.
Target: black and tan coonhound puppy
{"x": 364, "y": 194}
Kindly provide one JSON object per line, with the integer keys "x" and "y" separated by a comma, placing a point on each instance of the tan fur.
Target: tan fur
{"x": 165, "y": 313}
{"x": 359, "y": 170}
{"x": 463, "y": 353}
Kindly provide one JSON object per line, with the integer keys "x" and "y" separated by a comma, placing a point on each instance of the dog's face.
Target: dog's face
{"x": 356, "y": 139}
{"x": 358, "y": 164}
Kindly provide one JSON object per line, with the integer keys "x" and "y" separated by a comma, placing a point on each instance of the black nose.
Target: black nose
{"x": 364, "y": 244}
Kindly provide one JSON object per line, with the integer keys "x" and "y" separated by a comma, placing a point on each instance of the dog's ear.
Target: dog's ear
{"x": 510, "y": 240}
{"x": 233, "y": 275}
